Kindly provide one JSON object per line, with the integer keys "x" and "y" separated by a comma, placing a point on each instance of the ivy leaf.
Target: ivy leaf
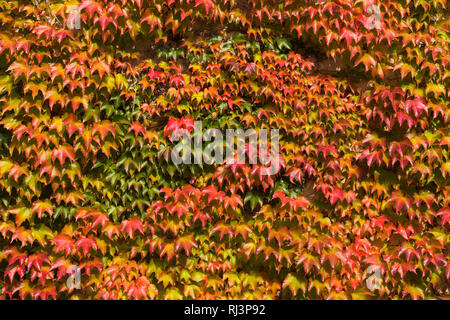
{"x": 294, "y": 284}
{"x": 22, "y": 214}
{"x": 131, "y": 225}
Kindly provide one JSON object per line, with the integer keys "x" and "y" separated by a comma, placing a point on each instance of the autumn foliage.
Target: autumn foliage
{"x": 360, "y": 99}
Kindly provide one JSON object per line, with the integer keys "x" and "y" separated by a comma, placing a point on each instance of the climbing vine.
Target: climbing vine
{"x": 92, "y": 91}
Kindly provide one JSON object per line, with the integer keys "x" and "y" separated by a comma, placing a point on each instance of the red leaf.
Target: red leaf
{"x": 86, "y": 243}
{"x": 137, "y": 128}
{"x": 417, "y": 106}
{"x": 62, "y": 153}
{"x": 208, "y": 4}
{"x": 234, "y": 200}
{"x": 131, "y": 225}
{"x": 103, "y": 128}
{"x": 63, "y": 242}
{"x": 177, "y": 127}
{"x": 445, "y": 213}
{"x": 91, "y": 7}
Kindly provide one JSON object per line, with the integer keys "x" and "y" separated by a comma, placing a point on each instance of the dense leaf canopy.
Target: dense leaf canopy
{"x": 92, "y": 90}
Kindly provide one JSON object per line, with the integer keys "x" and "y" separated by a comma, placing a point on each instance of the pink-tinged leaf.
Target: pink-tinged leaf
{"x": 233, "y": 201}
{"x": 62, "y": 153}
{"x": 131, "y": 225}
{"x": 177, "y": 127}
{"x": 137, "y": 128}
{"x": 86, "y": 243}
{"x": 176, "y": 80}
